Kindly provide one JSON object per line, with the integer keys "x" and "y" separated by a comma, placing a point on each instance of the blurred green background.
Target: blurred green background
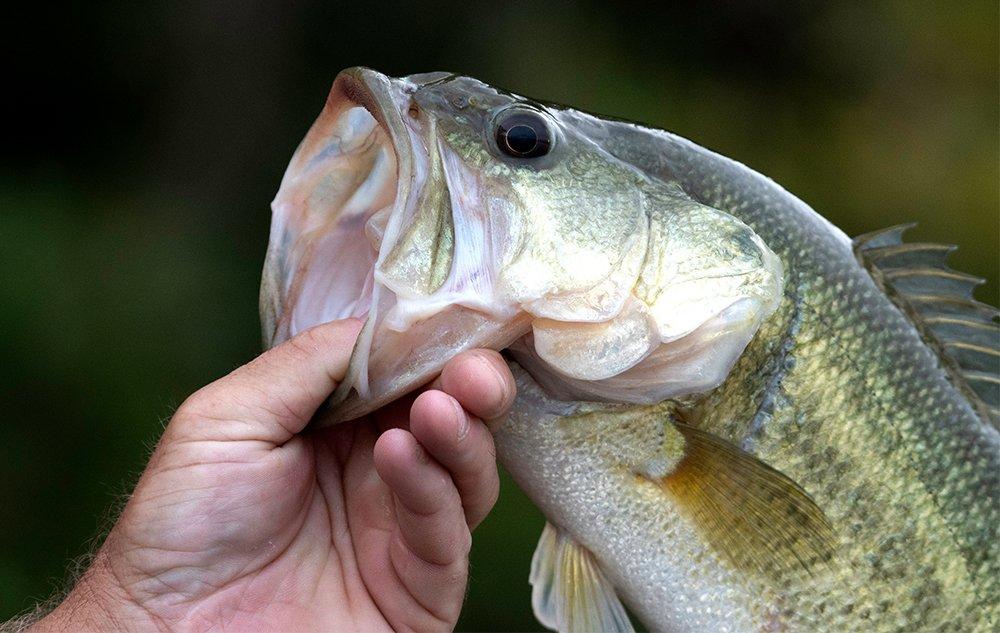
{"x": 147, "y": 140}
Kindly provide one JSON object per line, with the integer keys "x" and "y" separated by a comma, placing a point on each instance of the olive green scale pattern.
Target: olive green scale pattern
{"x": 838, "y": 392}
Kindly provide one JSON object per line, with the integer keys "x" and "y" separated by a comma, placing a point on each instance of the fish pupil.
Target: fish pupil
{"x": 522, "y": 139}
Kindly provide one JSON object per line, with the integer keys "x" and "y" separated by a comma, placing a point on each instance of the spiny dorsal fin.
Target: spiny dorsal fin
{"x": 939, "y": 301}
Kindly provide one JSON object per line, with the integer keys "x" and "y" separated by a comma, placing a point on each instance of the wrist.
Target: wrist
{"x": 97, "y": 602}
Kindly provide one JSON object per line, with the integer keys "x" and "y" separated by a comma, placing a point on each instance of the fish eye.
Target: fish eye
{"x": 523, "y": 133}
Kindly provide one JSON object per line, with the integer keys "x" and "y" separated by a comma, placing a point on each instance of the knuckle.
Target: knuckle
{"x": 493, "y": 492}
{"x": 488, "y": 491}
{"x": 463, "y": 543}
{"x": 479, "y": 510}
{"x": 190, "y": 417}
{"x": 308, "y": 342}
{"x": 202, "y": 403}
{"x": 489, "y": 445}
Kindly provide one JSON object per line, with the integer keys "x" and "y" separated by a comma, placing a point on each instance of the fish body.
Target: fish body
{"x": 837, "y": 391}
{"x": 732, "y": 416}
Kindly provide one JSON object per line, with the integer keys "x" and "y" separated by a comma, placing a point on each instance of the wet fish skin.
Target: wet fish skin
{"x": 838, "y": 392}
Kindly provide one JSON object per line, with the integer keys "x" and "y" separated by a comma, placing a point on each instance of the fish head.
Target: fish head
{"x": 451, "y": 215}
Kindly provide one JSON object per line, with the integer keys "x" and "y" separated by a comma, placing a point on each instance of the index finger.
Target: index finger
{"x": 481, "y": 382}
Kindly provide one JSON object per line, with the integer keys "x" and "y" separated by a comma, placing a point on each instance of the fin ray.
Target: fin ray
{"x": 569, "y": 592}
{"x": 751, "y": 514}
{"x": 940, "y": 302}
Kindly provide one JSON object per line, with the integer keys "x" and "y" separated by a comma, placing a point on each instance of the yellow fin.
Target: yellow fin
{"x": 569, "y": 592}
{"x": 752, "y": 515}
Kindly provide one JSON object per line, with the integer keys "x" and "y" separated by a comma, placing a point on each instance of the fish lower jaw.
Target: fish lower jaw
{"x": 405, "y": 347}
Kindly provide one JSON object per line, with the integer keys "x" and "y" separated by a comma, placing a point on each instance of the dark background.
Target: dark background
{"x": 143, "y": 143}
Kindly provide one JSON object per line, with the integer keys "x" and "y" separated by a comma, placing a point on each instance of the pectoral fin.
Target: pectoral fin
{"x": 569, "y": 591}
{"x": 749, "y": 513}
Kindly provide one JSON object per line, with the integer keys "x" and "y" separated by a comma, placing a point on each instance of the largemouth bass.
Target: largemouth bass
{"x": 733, "y": 417}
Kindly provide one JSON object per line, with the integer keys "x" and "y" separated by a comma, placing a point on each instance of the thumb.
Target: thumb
{"x": 274, "y": 396}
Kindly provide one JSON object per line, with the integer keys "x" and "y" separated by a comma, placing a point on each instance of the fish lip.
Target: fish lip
{"x": 390, "y": 108}
{"x": 374, "y": 92}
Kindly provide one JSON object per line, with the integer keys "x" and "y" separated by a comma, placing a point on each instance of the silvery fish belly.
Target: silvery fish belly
{"x": 733, "y": 417}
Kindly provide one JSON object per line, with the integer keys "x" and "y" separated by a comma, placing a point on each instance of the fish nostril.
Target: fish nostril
{"x": 413, "y": 111}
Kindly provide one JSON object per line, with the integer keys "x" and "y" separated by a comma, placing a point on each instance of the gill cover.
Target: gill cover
{"x": 706, "y": 283}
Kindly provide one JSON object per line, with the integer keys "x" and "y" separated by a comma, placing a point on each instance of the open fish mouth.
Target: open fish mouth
{"x": 330, "y": 213}
{"x": 350, "y": 238}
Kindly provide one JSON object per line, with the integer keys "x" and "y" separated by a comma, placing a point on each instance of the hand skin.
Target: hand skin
{"x": 242, "y": 522}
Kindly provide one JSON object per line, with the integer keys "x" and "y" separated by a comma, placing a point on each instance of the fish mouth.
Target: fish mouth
{"x": 354, "y": 188}
{"x": 345, "y": 179}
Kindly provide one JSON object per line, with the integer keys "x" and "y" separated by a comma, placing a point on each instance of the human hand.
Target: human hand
{"x": 242, "y": 522}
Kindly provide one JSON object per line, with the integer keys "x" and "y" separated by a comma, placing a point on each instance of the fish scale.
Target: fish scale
{"x": 861, "y": 397}
{"x": 854, "y": 341}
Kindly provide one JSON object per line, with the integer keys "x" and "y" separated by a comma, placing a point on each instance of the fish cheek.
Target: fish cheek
{"x": 582, "y": 239}
{"x": 705, "y": 285}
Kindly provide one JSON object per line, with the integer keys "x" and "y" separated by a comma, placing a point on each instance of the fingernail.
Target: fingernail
{"x": 420, "y": 453}
{"x": 501, "y": 382}
{"x": 463, "y": 420}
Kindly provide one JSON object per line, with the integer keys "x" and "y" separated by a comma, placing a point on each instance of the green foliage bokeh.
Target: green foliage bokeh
{"x": 149, "y": 139}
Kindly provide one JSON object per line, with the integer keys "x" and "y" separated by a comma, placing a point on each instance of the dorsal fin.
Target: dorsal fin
{"x": 939, "y": 301}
